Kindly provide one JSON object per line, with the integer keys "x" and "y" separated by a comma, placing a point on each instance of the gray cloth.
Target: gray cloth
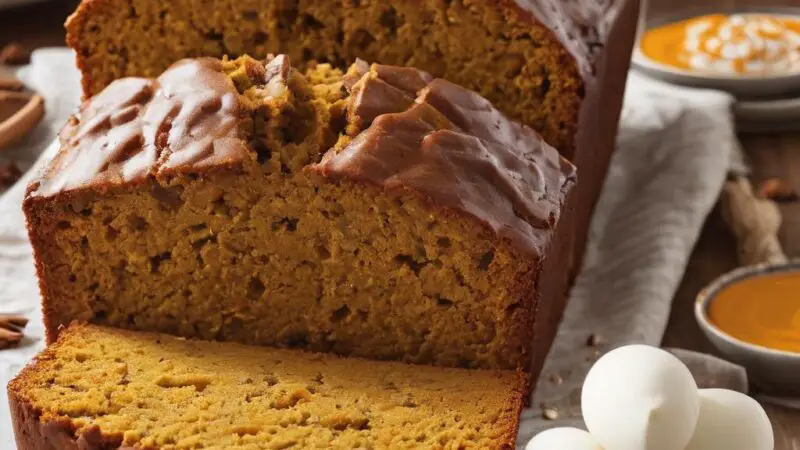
{"x": 673, "y": 154}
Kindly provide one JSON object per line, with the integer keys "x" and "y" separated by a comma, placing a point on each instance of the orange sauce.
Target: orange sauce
{"x": 763, "y": 310}
{"x": 754, "y": 44}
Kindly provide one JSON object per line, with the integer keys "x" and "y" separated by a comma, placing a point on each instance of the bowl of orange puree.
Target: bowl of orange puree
{"x": 752, "y": 316}
{"x": 749, "y": 53}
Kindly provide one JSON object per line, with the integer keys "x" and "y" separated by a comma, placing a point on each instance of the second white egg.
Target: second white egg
{"x": 732, "y": 421}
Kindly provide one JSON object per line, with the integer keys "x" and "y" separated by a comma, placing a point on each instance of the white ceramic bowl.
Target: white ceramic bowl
{"x": 774, "y": 371}
{"x": 741, "y": 86}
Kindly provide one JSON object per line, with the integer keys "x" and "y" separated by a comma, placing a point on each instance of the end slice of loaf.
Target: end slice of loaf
{"x": 102, "y": 388}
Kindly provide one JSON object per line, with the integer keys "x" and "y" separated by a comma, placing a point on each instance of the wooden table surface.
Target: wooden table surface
{"x": 776, "y": 155}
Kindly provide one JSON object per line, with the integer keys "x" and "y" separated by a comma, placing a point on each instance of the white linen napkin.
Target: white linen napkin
{"x": 674, "y": 151}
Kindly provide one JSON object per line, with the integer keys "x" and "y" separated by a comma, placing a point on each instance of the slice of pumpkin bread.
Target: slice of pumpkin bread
{"x": 103, "y": 388}
{"x": 379, "y": 213}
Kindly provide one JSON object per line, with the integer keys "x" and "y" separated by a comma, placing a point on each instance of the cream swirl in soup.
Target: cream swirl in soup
{"x": 737, "y": 44}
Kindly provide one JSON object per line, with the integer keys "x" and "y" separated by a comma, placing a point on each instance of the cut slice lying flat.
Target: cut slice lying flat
{"x": 100, "y": 387}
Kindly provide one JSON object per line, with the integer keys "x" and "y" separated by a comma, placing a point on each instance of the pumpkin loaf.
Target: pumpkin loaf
{"x": 102, "y": 388}
{"x": 558, "y": 66}
{"x": 380, "y": 213}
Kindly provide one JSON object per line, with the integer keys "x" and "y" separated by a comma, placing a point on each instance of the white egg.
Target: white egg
{"x": 731, "y": 420}
{"x": 563, "y": 439}
{"x": 640, "y": 398}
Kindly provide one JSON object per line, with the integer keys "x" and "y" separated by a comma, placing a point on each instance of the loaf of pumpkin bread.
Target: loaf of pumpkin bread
{"x": 102, "y": 388}
{"x": 379, "y": 213}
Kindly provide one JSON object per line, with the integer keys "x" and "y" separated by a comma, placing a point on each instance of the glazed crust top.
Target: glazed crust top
{"x": 408, "y": 132}
{"x": 452, "y": 146}
{"x": 189, "y": 117}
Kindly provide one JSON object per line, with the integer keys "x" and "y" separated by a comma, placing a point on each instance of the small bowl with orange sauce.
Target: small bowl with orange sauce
{"x": 752, "y": 316}
{"x": 748, "y": 53}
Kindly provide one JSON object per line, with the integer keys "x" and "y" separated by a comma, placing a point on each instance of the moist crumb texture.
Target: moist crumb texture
{"x": 377, "y": 212}
{"x": 105, "y": 388}
{"x": 495, "y": 48}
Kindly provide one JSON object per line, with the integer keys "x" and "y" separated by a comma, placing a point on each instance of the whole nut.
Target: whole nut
{"x": 14, "y": 54}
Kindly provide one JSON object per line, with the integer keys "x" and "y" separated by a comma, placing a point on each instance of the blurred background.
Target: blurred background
{"x": 34, "y": 23}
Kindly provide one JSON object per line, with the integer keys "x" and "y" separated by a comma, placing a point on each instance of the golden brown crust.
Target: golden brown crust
{"x": 433, "y": 137}
{"x": 518, "y": 400}
{"x": 31, "y": 433}
{"x": 39, "y": 243}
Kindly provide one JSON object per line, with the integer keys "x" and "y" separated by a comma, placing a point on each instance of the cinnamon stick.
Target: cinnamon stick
{"x": 11, "y": 326}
